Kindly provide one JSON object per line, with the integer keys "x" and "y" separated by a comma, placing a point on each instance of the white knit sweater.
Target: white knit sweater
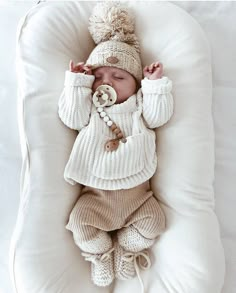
{"x": 134, "y": 161}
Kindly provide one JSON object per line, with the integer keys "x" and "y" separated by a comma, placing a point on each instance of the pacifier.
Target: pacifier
{"x": 104, "y": 96}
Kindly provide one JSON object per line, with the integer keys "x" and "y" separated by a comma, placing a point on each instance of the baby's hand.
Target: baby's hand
{"x": 153, "y": 71}
{"x": 80, "y": 68}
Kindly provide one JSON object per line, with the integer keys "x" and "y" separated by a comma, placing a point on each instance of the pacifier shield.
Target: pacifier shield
{"x": 104, "y": 95}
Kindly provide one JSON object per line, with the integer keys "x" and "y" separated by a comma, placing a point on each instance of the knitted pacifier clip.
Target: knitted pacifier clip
{"x": 105, "y": 96}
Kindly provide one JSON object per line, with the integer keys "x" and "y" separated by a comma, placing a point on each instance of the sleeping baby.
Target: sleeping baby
{"x": 117, "y": 217}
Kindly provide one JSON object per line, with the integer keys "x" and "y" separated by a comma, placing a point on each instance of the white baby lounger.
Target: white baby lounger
{"x": 188, "y": 257}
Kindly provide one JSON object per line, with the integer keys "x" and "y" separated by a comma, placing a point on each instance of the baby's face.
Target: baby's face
{"x": 122, "y": 81}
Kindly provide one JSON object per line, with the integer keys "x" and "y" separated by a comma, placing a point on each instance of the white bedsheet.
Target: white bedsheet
{"x": 218, "y": 21}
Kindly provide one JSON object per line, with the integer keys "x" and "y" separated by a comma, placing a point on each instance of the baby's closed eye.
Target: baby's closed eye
{"x": 118, "y": 77}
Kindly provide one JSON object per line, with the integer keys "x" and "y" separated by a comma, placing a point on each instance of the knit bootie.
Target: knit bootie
{"x": 123, "y": 263}
{"x": 128, "y": 264}
{"x": 102, "y": 271}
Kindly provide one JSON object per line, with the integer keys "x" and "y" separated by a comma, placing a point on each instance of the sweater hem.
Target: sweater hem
{"x": 115, "y": 184}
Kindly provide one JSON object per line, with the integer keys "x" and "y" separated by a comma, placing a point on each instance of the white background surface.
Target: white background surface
{"x": 218, "y": 21}
{"x": 10, "y": 153}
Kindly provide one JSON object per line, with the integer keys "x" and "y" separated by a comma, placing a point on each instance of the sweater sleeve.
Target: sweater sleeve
{"x": 75, "y": 102}
{"x": 157, "y": 101}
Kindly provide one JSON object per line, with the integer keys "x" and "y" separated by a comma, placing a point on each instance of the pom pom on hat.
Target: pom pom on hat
{"x": 112, "y": 29}
{"x": 110, "y": 21}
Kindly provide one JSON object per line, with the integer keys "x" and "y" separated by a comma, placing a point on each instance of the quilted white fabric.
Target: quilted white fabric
{"x": 189, "y": 256}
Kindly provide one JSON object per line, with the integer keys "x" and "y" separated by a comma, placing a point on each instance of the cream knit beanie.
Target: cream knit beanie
{"x": 112, "y": 29}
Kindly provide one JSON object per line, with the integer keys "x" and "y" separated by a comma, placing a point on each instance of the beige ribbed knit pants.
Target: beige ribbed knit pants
{"x": 97, "y": 212}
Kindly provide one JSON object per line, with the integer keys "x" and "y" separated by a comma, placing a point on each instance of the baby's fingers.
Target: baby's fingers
{"x": 88, "y": 69}
{"x": 158, "y": 65}
{"x": 145, "y": 69}
{"x": 71, "y": 65}
{"x": 80, "y": 64}
{"x": 150, "y": 67}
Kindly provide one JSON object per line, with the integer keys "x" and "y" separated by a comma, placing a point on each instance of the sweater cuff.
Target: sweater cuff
{"x": 78, "y": 79}
{"x": 158, "y": 86}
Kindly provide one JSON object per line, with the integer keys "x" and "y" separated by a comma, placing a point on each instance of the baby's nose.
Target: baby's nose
{"x": 107, "y": 81}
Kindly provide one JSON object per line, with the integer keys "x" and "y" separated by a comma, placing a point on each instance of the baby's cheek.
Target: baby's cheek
{"x": 94, "y": 86}
{"x": 121, "y": 98}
